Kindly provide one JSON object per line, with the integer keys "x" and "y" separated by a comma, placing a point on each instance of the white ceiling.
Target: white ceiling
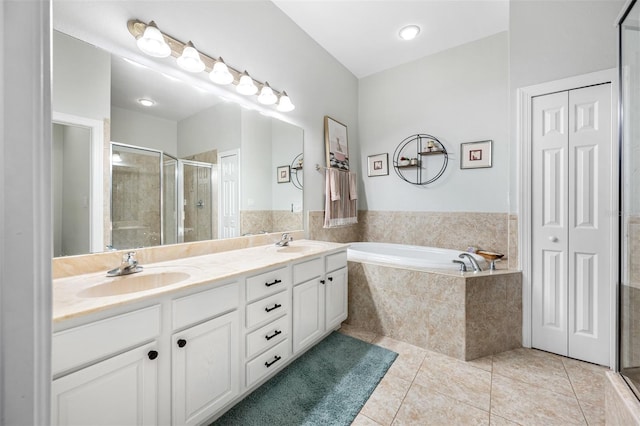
{"x": 363, "y": 34}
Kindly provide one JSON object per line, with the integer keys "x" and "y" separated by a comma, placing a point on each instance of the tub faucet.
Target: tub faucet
{"x": 285, "y": 240}
{"x": 129, "y": 265}
{"x": 474, "y": 262}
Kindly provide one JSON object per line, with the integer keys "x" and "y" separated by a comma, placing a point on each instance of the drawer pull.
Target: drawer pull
{"x": 321, "y": 281}
{"x": 330, "y": 278}
{"x": 275, "y": 359}
{"x": 273, "y": 283}
{"x": 182, "y": 343}
{"x": 152, "y": 355}
{"x": 275, "y": 306}
{"x": 275, "y": 333}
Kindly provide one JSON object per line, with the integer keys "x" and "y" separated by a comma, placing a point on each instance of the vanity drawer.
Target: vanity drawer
{"x": 267, "y": 283}
{"x": 206, "y": 304}
{"x": 267, "y": 336}
{"x": 268, "y": 309}
{"x": 268, "y": 362}
{"x": 81, "y": 345}
{"x": 307, "y": 270}
{"x": 336, "y": 261}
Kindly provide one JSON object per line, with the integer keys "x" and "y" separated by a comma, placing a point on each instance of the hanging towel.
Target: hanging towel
{"x": 340, "y": 198}
{"x": 334, "y": 183}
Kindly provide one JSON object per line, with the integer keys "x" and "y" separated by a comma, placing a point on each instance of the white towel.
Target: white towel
{"x": 334, "y": 182}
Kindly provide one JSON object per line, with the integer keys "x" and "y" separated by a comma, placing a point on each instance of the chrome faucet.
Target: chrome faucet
{"x": 474, "y": 262}
{"x": 285, "y": 240}
{"x": 129, "y": 265}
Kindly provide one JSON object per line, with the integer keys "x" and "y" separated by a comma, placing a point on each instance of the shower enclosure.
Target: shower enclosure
{"x": 629, "y": 304}
{"x": 158, "y": 199}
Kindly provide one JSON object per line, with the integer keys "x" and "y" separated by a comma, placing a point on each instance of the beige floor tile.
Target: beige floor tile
{"x": 532, "y": 405}
{"x": 534, "y": 367}
{"x": 501, "y": 421}
{"x": 423, "y": 406}
{"x": 356, "y": 332}
{"x": 384, "y": 402}
{"x": 588, "y": 380}
{"x": 485, "y": 363}
{"x": 362, "y": 420}
{"x": 456, "y": 379}
{"x": 409, "y": 357}
{"x": 594, "y": 413}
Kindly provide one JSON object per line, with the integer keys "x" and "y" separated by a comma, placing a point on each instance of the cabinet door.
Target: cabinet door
{"x": 121, "y": 390}
{"x": 205, "y": 368}
{"x": 308, "y": 313}
{"x": 336, "y": 298}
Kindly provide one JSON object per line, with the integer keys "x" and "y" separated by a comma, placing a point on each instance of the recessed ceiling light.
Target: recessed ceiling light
{"x": 409, "y": 32}
{"x": 146, "y": 102}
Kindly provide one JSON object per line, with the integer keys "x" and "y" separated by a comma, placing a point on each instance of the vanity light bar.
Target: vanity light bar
{"x": 137, "y": 29}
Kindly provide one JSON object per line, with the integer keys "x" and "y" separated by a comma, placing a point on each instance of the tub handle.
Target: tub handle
{"x": 463, "y": 267}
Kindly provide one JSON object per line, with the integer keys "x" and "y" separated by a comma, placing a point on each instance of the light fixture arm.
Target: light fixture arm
{"x": 137, "y": 27}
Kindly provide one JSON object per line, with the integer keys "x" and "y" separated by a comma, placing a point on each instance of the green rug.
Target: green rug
{"x": 328, "y": 385}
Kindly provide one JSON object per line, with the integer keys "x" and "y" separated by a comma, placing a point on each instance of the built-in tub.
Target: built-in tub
{"x": 416, "y": 295}
{"x": 402, "y": 255}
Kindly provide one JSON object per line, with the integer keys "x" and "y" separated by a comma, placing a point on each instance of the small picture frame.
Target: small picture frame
{"x": 283, "y": 174}
{"x": 378, "y": 165}
{"x": 475, "y": 155}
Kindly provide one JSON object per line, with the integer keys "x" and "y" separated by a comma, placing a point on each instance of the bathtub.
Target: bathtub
{"x": 415, "y": 257}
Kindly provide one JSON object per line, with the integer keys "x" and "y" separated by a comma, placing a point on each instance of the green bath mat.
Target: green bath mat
{"x": 328, "y": 385}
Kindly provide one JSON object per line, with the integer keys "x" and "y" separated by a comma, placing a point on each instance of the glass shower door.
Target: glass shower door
{"x": 169, "y": 200}
{"x": 197, "y": 200}
{"x": 629, "y": 308}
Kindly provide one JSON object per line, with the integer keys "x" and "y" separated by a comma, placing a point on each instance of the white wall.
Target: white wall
{"x": 285, "y": 146}
{"x": 551, "y": 40}
{"x": 134, "y": 128}
{"x": 217, "y": 127}
{"x": 459, "y": 95}
{"x": 255, "y": 161}
{"x": 82, "y": 78}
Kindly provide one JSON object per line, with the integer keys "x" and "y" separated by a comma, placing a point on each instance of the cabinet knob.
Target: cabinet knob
{"x": 182, "y": 343}
{"x": 152, "y": 355}
{"x": 330, "y": 278}
{"x": 321, "y": 281}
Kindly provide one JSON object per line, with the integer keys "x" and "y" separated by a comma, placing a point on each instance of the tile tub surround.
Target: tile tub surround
{"x": 465, "y": 316}
{"x": 454, "y": 230}
{"x": 621, "y": 405}
{"x": 102, "y": 262}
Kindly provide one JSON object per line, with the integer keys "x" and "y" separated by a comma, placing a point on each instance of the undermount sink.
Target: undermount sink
{"x": 134, "y": 283}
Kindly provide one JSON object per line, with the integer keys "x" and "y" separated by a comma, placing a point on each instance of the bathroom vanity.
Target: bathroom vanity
{"x": 184, "y": 340}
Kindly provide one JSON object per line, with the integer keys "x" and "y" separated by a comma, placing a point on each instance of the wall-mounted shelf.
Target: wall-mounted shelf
{"x": 296, "y": 171}
{"x": 420, "y": 146}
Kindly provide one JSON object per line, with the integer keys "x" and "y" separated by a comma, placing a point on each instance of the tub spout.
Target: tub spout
{"x": 474, "y": 262}
{"x": 463, "y": 267}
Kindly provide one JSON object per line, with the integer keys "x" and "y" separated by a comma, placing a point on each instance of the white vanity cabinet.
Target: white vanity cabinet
{"x": 115, "y": 370}
{"x": 267, "y": 323}
{"x": 204, "y": 357}
{"x": 319, "y": 297}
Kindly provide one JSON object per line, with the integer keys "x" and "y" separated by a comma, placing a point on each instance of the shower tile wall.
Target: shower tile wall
{"x": 630, "y": 303}
{"x": 197, "y": 204}
{"x": 455, "y": 230}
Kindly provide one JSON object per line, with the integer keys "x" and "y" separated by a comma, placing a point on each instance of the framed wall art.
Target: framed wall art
{"x": 283, "y": 174}
{"x": 475, "y": 155}
{"x": 336, "y": 144}
{"x": 378, "y": 165}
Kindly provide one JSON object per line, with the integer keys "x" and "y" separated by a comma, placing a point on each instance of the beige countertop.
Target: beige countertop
{"x": 76, "y": 295}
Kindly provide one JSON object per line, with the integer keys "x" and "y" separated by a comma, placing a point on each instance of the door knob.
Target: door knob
{"x": 553, "y": 239}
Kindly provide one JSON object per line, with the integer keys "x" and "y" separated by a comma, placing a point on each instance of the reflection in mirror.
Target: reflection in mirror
{"x": 184, "y": 123}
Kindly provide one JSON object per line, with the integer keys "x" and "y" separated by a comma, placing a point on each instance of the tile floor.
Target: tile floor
{"x": 518, "y": 387}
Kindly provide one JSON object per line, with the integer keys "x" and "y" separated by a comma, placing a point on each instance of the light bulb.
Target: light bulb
{"x": 220, "y": 73}
{"x": 152, "y": 42}
{"x": 409, "y": 32}
{"x": 246, "y": 85}
{"x": 190, "y": 59}
{"x": 267, "y": 97}
{"x": 284, "y": 104}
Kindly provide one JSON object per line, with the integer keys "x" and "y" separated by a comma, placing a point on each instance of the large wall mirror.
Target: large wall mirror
{"x": 190, "y": 166}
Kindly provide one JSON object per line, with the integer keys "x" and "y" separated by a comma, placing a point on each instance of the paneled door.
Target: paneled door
{"x": 229, "y": 194}
{"x": 571, "y": 240}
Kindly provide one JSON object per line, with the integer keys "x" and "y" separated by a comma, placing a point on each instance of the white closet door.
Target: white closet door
{"x": 229, "y": 194}
{"x": 549, "y": 225}
{"x": 571, "y": 239}
{"x": 590, "y": 223}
